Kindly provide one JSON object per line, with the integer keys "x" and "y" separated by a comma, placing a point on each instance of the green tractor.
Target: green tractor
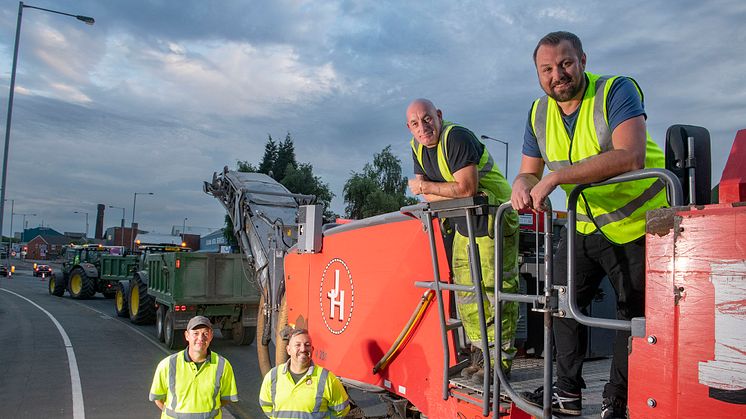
{"x": 81, "y": 272}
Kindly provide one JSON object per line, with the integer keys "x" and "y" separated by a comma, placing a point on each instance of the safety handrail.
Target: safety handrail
{"x": 573, "y": 311}
{"x": 499, "y": 378}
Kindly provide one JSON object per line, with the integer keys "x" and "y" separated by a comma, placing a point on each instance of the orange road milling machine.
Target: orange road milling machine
{"x": 377, "y": 297}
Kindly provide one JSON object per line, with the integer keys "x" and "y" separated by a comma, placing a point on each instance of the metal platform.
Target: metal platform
{"x": 526, "y": 375}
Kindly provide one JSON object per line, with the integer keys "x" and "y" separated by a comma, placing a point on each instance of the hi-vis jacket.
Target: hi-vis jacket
{"x": 188, "y": 392}
{"x": 318, "y": 394}
{"x": 619, "y": 209}
{"x": 491, "y": 181}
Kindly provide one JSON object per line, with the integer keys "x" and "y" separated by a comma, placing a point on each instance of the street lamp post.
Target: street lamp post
{"x": 134, "y": 204}
{"x": 121, "y": 233}
{"x": 183, "y": 228}
{"x": 10, "y": 236}
{"x": 484, "y": 137}
{"x": 87, "y": 20}
{"x": 86, "y": 222}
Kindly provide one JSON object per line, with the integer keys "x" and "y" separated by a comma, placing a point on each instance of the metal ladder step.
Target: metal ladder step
{"x": 452, "y": 324}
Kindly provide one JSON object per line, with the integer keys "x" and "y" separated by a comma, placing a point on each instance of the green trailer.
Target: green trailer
{"x": 120, "y": 270}
{"x": 130, "y": 276}
{"x": 209, "y": 284}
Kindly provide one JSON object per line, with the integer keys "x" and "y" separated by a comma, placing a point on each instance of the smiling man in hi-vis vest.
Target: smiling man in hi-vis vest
{"x": 450, "y": 162}
{"x": 586, "y": 129}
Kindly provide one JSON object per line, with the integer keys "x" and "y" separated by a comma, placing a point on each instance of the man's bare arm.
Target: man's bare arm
{"x": 464, "y": 185}
{"x": 529, "y": 175}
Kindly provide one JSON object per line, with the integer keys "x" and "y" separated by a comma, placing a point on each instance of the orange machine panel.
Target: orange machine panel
{"x": 692, "y": 363}
{"x": 357, "y": 295}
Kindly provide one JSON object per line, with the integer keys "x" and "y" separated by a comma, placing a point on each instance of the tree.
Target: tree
{"x": 285, "y": 157}
{"x": 379, "y": 189}
{"x": 267, "y": 164}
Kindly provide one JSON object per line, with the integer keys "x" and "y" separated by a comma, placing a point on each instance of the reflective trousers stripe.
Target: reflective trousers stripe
{"x": 300, "y": 415}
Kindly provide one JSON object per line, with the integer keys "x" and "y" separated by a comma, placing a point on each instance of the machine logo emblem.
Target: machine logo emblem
{"x": 336, "y": 296}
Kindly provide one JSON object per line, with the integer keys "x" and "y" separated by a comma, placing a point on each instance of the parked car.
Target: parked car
{"x": 40, "y": 270}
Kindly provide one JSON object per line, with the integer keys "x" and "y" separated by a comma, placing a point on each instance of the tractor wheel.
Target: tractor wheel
{"x": 160, "y": 321}
{"x": 142, "y": 305}
{"x": 243, "y": 335}
{"x": 56, "y": 288}
{"x": 120, "y": 300}
{"x": 172, "y": 338}
{"x": 80, "y": 285}
{"x": 281, "y": 353}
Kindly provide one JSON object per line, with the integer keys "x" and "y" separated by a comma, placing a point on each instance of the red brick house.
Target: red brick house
{"x": 46, "y": 247}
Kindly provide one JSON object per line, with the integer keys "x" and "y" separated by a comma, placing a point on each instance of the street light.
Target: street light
{"x": 183, "y": 228}
{"x": 484, "y": 137}
{"x": 87, "y": 20}
{"x": 10, "y": 236}
{"x": 86, "y": 221}
{"x": 121, "y": 233}
{"x": 134, "y": 203}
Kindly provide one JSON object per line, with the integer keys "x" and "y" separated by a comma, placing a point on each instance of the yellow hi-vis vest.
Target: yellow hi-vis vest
{"x": 618, "y": 209}
{"x": 491, "y": 181}
{"x": 318, "y": 394}
{"x": 188, "y": 392}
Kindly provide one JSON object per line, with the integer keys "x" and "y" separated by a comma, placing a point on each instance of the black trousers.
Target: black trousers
{"x": 595, "y": 258}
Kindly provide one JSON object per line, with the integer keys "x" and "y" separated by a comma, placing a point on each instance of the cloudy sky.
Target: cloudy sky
{"x": 157, "y": 95}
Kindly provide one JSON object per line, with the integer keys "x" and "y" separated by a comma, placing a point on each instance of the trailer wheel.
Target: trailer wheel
{"x": 160, "y": 320}
{"x": 243, "y": 335}
{"x": 142, "y": 305}
{"x": 120, "y": 300}
{"x": 172, "y": 340}
{"x": 56, "y": 288}
{"x": 80, "y": 285}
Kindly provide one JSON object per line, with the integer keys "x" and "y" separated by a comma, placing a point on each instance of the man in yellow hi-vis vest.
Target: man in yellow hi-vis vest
{"x": 450, "y": 162}
{"x": 195, "y": 382}
{"x": 586, "y": 129}
{"x": 299, "y": 388}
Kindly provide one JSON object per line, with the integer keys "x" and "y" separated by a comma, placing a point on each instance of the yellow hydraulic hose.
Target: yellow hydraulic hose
{"x": 403, "y": 337}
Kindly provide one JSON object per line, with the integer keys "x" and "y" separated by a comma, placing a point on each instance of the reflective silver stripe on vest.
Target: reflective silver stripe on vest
{"x": 599, "y": 121}
{"x": 540, "y": 128}
{"x": 340, "y": 407}
{"x": 488, "y": 165}
{"x": 273, "y": 387}
{"x": 172, "y": 378}
{"x": 218, "y": 377}
{"x": 320, "y": 389}
{"x": 626, "y": 210}
{"x": 205, "y": 415}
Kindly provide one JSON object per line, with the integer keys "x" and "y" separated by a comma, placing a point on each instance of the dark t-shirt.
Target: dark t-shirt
{"x": 463, "y": 149}
{"x": 622, "y": 103}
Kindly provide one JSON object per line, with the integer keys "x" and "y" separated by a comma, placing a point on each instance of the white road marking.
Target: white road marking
{"x": 77, "y": 390}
